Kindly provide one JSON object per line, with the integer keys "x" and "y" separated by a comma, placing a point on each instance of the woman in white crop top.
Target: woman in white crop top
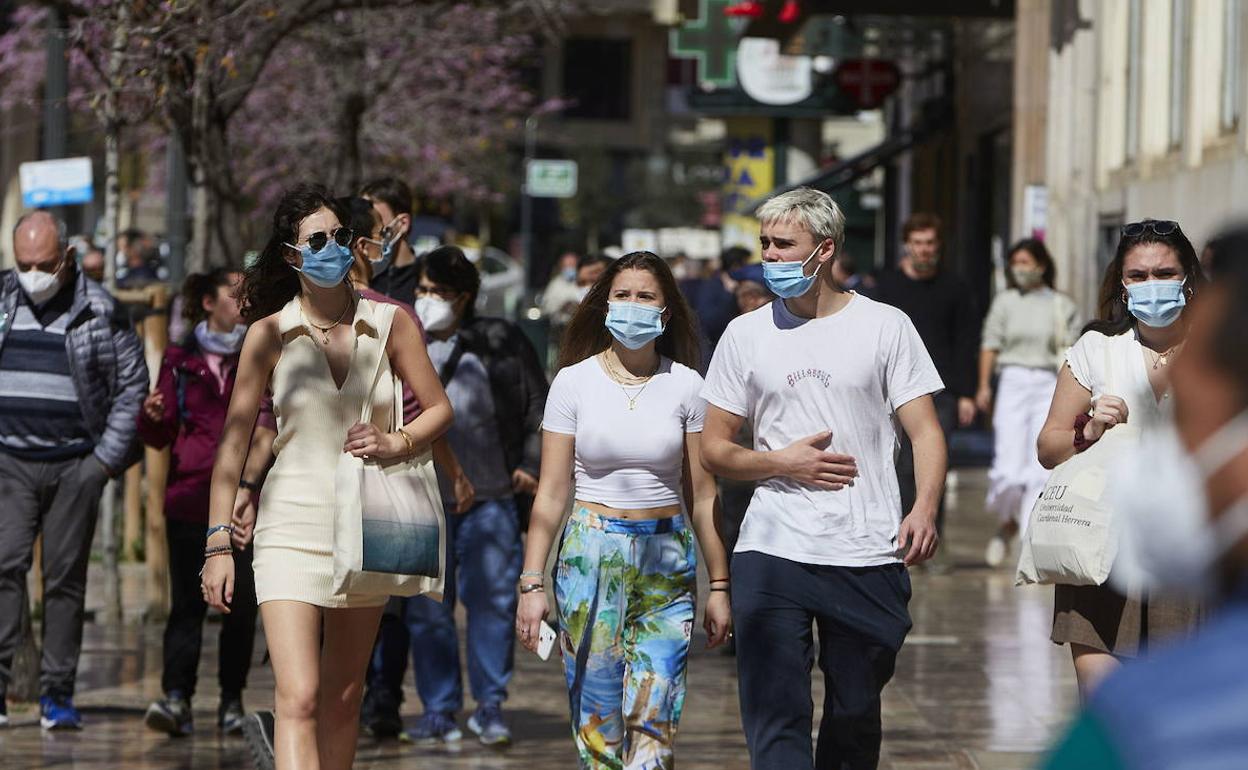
{"x": 1118, "y": 372}
{"x": 624, "y": 416}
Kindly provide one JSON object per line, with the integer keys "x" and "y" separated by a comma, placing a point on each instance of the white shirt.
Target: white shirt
{"x": 1115, "y": 366}
{"x": 626, "y": 458}
{"x": 793, "y": 377}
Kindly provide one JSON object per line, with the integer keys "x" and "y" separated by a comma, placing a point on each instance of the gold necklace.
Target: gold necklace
{"x": 615, "y": 375}
{"x": 325, "y": 330}
{"x": 1163, "y": 359}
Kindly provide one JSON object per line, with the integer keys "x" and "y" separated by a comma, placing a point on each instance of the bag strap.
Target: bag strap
{"x": 452, "y": 361}
{"x": 383, "y": 315}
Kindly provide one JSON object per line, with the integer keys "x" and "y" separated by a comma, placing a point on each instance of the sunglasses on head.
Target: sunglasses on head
{"x": 1158, "y": 226}
{"x": 319, "y": 239}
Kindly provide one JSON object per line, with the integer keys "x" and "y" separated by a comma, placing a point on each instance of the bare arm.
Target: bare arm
{"x": 987, "y": 365}
{"x": 702, "y": 500}
{"x": 554, "y": 491}
{"x": 931, "y": 460}
{"x": 1056, "y": 443}
{"x": 804, "y": 461}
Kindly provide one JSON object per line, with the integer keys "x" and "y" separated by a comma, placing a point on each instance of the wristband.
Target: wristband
{"x": 725, "y": 589}
{"x": 720, "y": 580}
{"x": 215, "y": 550}
{"x": 250, "y": 486}
{"x": 219, "y": 528}
{"x": 533, "y": 574}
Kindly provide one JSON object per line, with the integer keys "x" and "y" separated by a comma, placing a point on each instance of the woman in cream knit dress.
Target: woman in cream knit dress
{"x": 316, "y": 344}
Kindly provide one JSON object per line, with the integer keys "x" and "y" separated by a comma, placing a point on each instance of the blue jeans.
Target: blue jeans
{"x": 482, "y": 569}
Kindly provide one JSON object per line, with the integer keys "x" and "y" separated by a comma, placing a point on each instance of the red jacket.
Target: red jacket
{"x": 195, "y": 409}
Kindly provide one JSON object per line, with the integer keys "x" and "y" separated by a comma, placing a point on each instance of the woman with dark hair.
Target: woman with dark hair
{"x": 1117, "y": 372}
{"x": 187, "y": 410}
{"x": 624, "y": 414}
{"x": 1026, "y": 334}
{"x": 316, "y": 344}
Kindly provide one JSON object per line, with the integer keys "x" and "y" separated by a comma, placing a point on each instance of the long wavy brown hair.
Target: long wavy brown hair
{"x": 587, "y": 333}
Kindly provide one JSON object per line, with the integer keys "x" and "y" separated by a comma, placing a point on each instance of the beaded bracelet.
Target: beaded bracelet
{"x": 219, "y": 528}
{"x": 208, "y": 556}
{"x": 218, "y": 549}
{"x": 532, "y": 574}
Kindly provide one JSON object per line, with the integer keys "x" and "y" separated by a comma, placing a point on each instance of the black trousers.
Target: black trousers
{"x": 947, "y": 414}
{"x": 862, "y": 620}
{"x": 185, "y": 627}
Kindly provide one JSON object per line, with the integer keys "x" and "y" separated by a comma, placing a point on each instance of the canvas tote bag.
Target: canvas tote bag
{"x": 389, "y": 526}
{"x": 1072, "y": 536}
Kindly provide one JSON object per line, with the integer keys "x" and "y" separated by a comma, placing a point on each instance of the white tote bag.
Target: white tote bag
{"x": 389, "y": 526}
{"x": 1072, "y": 535}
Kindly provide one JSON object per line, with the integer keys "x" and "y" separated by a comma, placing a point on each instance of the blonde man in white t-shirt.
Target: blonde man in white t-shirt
{"x": 823, "y": 376}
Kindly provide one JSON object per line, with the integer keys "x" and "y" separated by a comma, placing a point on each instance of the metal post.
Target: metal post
{"x": 526, "y": 202}
{"x": 55, "y": 88}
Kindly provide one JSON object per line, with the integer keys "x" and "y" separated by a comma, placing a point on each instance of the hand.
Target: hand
{"x": 529, "y": 616}
{"x": 523, "y": 483}
{"x": 966, "y": 411}
{"x": 464, "y": 493}
{"x": 1107, "y": 412}
{"x": 983, "y": 399}
{"x": 243, "y": 519}
{"x": 718, "y": 619}
{"x": 365, "y": 440}
{"x": 806, "y": 462}
{"x": 154, "y": 406}
{"x": 218, "y": 582}
{"x": 917, "y": 537}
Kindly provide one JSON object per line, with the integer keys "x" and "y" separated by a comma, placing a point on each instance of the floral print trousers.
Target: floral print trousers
{"x": 625, "y": 592}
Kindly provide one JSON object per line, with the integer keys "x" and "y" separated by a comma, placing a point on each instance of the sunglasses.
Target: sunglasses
{"x": 318, "y": 240}
{"x": 1161, "y": 227}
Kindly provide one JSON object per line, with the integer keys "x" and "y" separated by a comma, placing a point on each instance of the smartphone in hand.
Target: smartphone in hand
{"x": 545, "y": 640}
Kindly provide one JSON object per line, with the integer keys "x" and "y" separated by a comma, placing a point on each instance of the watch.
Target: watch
{"x": 250, "y": 486}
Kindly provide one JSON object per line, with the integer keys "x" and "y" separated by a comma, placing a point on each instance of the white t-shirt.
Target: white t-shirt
{"x": 1115, "y": 366}
{"x": 626, "y": 458}
{"x": 793, "y": 377}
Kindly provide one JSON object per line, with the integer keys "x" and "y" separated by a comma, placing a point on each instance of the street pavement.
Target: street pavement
{"x": 978, "y": 685}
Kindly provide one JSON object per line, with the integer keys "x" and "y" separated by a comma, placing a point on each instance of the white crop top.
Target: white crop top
{"x": 626, "y": 458}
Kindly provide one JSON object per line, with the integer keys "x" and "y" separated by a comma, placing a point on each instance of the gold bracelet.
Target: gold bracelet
{"x": 411, "y": 445}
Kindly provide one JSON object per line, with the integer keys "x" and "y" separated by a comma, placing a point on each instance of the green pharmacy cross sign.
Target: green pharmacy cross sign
{"x": 711, "y": 40}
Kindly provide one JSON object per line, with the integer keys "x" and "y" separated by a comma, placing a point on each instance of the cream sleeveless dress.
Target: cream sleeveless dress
{"x": 295, "y": 526}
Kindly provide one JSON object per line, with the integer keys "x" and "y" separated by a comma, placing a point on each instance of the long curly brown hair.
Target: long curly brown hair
{"x": 269, "y": 283}
{"x": 587, "y": 333}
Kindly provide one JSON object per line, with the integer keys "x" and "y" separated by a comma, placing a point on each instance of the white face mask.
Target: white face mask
{"x": 1167, "y": 541}
{"x": 435, "y": 313}
{"x": 38, "y": 285}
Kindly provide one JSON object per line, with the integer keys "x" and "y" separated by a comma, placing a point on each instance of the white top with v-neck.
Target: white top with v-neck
{"x": 1115, "y": 366}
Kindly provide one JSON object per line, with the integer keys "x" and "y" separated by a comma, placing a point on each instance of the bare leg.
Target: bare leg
{"x": 293, "y": 632}
{"x": 349, "y": 637}
{"x": 1091, "y": 668}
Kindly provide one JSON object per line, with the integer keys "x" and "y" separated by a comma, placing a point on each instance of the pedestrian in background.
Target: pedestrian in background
{"x": 943, "y": 310}
{"x": 187, "y": 411}
{"x": 1026, "y": 334}
{"x": 72, "y": 382}
{"x": 497, "y": 387}
{"x": 1118, "y": 372}
{"x": 393, "y": 273}
{"x": 624, "y": 417}
{"x": 1182, "y": 707}
{"x": 315, "y": 342}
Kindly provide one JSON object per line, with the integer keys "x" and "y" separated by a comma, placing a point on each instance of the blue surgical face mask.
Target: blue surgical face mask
{"x": 325, "y": 268}
{"x": 634, "y": 324}
{"x": 1156, "y": 303}
{"x": 788, "y": 279}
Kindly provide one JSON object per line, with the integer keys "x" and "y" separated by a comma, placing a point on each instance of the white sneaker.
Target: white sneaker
{"x": 996, "y": 551}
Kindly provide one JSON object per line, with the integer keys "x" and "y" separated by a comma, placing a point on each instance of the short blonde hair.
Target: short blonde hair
{"x": 813, "y": 209}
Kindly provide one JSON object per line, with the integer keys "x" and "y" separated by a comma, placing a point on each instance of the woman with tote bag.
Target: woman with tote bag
{"x": 1117, "y": 373}
{"x": 332, "y": 360}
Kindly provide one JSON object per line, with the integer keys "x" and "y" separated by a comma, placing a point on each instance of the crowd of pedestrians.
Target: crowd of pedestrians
{"x": 788, "y": 420}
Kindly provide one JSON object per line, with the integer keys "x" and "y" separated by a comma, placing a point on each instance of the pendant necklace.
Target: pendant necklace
{"x": 615, "y": 375}
{"x": 1162, "y": 359}
{"x": 324, "y": 330}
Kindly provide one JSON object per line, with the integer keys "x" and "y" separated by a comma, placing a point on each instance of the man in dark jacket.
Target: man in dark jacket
{"x": 942, "y": 308}
{"x": 498, "y": 389}
{"x": 72, "y": 380}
